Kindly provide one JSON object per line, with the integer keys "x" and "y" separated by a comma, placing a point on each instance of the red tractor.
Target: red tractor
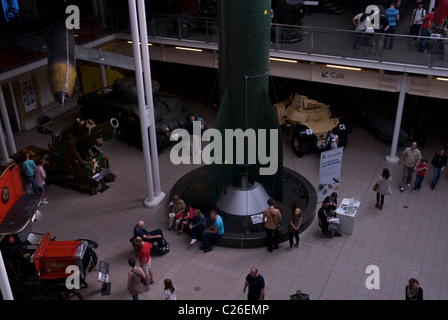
{"x": 37, "y": 265}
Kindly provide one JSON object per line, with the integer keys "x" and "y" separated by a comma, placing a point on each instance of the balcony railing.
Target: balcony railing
{"x": 300, "y": 39}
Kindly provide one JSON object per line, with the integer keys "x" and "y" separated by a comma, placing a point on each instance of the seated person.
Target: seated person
{"x": 327, "y": 226}
{"x": 215, "y": 231}
{"x": 197, "y": 224}
{"x": 332, "y": 203}
{"x": 149, "y": 236}
{"x": 177, "y": 207}
{"x": 183, "y": 219}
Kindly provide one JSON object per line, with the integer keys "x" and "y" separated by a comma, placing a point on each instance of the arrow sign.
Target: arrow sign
{"x": 324, "y": 74}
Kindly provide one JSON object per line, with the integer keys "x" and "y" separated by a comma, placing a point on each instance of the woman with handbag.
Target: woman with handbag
{"x": 271, "y": 223}
{"x": 384, "y": 182}
{"x": 136, "y": 277}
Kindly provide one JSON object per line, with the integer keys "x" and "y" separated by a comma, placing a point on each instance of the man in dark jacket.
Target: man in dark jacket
{"x": 439, "y": 163}
{"x": 327, "y": 227}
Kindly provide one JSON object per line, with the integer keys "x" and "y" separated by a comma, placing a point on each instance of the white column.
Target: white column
{"x": 14, "y": 104}
{"x": 392, "y": 158}
{"x": 145, "y": 116}
{"x": 149, "y": 100}
{"x": 5, "y": 287}
{"x": 103, "y": 75}
{"x": 6, "y": 123}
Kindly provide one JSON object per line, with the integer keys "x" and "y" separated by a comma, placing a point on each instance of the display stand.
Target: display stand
{"x": 347, "y": 212}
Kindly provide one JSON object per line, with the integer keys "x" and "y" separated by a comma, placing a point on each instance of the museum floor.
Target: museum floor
{"x": 408, "y": 238}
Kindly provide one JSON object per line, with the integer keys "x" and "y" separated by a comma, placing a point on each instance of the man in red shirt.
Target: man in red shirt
{"x": 144, "y": 258}
{"x": 426, "y": 30}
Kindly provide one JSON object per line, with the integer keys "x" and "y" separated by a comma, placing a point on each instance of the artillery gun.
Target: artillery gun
{"x": 308, "y": 124}
{"x": 74, "y": 159}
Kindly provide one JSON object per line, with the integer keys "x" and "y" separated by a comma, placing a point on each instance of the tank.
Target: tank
{"x": 310, "y": 124}
{"x": 120, "y": 102}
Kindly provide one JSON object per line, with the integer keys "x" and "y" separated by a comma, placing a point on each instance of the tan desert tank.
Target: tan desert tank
{"x": 310, "y": 124}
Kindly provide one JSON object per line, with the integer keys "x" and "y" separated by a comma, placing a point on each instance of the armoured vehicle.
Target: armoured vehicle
{"x": 120, "y": 102}
{"x": 309, "y": 123}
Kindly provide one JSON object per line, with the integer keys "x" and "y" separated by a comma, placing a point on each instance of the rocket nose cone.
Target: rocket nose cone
{"x": 60, "y": 97}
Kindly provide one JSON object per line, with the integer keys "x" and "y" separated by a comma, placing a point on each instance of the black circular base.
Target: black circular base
{"x": 239, "y": 231}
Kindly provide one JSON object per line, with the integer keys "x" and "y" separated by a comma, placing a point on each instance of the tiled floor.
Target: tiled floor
{"x": 408, "y": 238}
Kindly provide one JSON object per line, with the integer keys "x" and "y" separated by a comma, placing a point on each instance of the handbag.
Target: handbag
{"x": 375, "y": 187}
{"x": 277, "y": 225}
{"x": 142, "y": 279}
{"x": 299, "y": 296}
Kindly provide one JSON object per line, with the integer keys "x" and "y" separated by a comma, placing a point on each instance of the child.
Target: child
{"x": 170, "y": 290}
{"x": 421, "y": 170}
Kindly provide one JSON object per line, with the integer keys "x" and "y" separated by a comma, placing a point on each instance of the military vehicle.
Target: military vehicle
{"x": 120, "y": 102}
{"x": 308, "y": 124}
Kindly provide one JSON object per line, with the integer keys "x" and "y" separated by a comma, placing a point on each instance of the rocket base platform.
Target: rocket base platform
{"x": 246, "y": 231}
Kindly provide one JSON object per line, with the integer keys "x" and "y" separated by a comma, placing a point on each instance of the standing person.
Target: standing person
{"x": 384, "y": 187}
{"x": 28, "y": 167}
{"x": 360, "y": 23}
{"x": 426, "y": 31}
{"x": 438, "y": 163}
{"x": 422, "y": 168}
{"x": 412, "y": 157}
{"x": 413, "y": 290}
{"x": 135, "y": 285}
{"x": 170, "y": 290}
{"x": 445, "y": 38}
{"x": 418, "y": 15}
{"x": 378, "y": 38}
{"x": 197, "y": 224}
{"x": 40, "y": 176}
{"x": 393, "y": 15}
{"x": 271, "y": 218}
{"x": 144, "y": 258}
{"x": 255, "y": 282}
{"x": 295, "y": 219}
{"x": 215, "y": 231}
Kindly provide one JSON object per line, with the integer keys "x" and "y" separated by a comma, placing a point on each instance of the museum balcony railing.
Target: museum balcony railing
{"x": 284, "y": 39}
{"x": 309, "y": 40}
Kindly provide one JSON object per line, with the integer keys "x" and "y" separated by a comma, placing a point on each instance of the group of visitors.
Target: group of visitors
{"x": 412, "y": 161}
{"x": 35, "y": 175}
{"x": 421, "y": 24}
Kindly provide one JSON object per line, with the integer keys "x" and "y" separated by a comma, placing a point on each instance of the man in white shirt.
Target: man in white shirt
{"x": 418, "y": 15}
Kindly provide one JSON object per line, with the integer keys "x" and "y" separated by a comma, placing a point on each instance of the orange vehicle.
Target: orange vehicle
{"x": 37, "y": 264}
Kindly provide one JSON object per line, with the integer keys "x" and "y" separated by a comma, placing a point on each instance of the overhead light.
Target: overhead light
{"x": 343, "y": 67}
{"x": 188, "y": 49}
{"x": 283, "y": 60}
{"x": 149, "y": 44}
{"x": 442, "y": 79}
